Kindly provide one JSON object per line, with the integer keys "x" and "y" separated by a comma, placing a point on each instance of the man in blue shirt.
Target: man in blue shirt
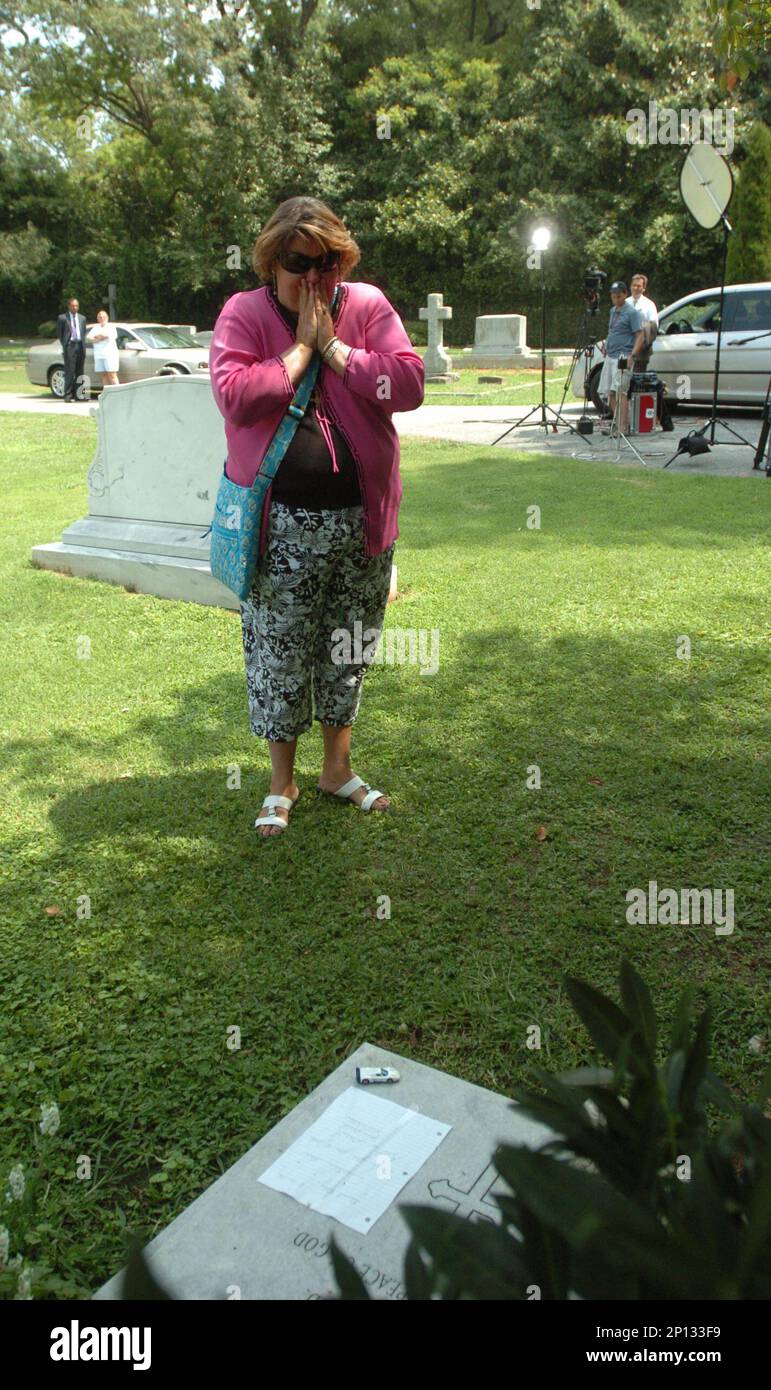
{"x": 626, "y": 338}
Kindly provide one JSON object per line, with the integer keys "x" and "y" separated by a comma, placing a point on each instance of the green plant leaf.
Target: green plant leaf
{"x": 603, "y": 1228}
{"x": 481, "y": 1259}
{"x": 418, "y": 1282}
{"x": 681, "y": 1024}
{"x": 546, "y": 1255}
{"x": 139, "y": 1283}
{"x": 715, "y": 1092}
{"x": 695, "y": 1065}
{"x": 674, "y": 1070}
{"x": 764, "y": 1089}
{"x": 606, "y": 1023}
{"x": 569, "y": 1200}
{"x": 349, "y": 1281}
{"x": 637, "y": 1001}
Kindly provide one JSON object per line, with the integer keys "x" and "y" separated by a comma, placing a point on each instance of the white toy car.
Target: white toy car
{"x": 367, "y": 1076}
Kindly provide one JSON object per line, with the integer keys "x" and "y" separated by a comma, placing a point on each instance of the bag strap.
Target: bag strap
{"x": 286, "y": 430}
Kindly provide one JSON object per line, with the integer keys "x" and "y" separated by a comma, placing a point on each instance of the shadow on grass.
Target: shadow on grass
{"x": 640, "y": 762}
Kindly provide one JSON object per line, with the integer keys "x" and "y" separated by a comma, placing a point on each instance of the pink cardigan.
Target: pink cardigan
{"x": 252, "y": 389}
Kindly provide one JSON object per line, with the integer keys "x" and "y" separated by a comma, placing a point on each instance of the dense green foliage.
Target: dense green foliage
{"x": 743, "y": 33}
{"x": 146, "y": 141}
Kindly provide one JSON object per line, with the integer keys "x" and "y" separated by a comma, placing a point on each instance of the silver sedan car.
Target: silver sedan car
{"x": 146, "y": 349}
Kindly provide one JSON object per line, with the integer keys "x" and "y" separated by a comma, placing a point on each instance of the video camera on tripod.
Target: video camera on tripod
{"x": 593, "y": 281}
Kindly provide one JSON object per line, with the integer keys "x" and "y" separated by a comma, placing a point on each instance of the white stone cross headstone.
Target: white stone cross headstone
{"x": 437, "y": 360}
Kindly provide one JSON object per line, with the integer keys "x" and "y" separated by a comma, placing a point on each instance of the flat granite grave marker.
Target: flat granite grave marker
{"x": 243, "y": 1239}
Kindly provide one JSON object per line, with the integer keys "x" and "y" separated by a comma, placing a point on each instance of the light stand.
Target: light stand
{"x": 585, "y": 345}
{"x": 692, "y": 443}
{"x": 540, "y": 242}
{"x": 706, "y": 187}
{"x": 615, "y": 431}
{"x": 713, "y": 420}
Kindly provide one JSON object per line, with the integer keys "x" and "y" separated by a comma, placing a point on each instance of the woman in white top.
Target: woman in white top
{"x": 105, "y": 344}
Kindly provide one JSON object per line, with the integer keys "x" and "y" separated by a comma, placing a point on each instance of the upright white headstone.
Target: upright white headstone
{"x": 499, "y": 340}
{"x": 151, "y": 492}
{"x": 437, "y": 361}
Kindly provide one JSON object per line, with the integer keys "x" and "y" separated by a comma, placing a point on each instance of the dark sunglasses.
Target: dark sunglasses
{"x": 297, "y": 264}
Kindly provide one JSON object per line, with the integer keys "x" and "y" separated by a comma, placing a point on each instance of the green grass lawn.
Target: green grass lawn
{"x": 519, "y": 387}
{"x": 13, "y": 377}
{"x": 143, "y": 918}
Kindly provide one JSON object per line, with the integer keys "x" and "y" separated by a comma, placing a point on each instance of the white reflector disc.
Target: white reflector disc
{"x": 706, "y": 183}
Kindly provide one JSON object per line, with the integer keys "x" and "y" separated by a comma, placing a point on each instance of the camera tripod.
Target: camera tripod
{"x": 585, "y": 345}
{"x": 615, "y": 431}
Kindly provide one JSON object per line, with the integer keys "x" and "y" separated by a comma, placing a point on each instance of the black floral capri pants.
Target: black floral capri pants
{"x": 312, "y": 581}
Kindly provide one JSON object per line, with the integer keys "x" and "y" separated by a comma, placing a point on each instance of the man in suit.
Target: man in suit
{"x": 71, "y": 328}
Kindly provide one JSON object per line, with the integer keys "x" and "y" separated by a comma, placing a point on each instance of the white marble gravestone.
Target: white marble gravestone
{"x": 151, "y": 492}
{"x": 499, "y": 340}
{"x": 241, "y": 1238}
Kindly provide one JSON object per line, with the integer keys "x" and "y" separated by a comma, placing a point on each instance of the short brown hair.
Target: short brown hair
{"x": 638, "y": 275}
{"x": 312, "y": 219}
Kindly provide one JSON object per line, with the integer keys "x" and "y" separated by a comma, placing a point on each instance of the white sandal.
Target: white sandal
{"x": 272, "y": 801}
{"x": 352, "y": 786}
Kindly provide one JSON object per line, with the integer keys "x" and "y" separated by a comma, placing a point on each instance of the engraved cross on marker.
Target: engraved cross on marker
{"x": 466, "y": 1201}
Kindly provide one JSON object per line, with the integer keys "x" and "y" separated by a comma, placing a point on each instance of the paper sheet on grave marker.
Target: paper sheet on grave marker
{"x": 338, "y": 1166}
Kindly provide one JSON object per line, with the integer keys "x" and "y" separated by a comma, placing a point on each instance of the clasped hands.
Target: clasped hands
{"x": 314, "y": 324}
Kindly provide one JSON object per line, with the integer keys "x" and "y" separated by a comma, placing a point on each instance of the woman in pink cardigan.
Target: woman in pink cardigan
{"x": 329, "y": 523}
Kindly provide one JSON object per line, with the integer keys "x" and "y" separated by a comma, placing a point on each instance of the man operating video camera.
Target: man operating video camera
{"x": 626, "y": 339}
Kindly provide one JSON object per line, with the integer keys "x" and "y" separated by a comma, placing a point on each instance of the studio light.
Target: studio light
{"x": 540, "y": 240}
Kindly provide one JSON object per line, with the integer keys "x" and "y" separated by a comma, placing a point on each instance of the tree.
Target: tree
{"x": 186, "y": 121}
{"x": 23, "y": 256}
{"x": 743, "y": 32}
{"x": 749, "y": 250}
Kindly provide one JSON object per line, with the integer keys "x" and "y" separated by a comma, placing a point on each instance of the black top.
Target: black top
{"x": 305, "y": 476}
